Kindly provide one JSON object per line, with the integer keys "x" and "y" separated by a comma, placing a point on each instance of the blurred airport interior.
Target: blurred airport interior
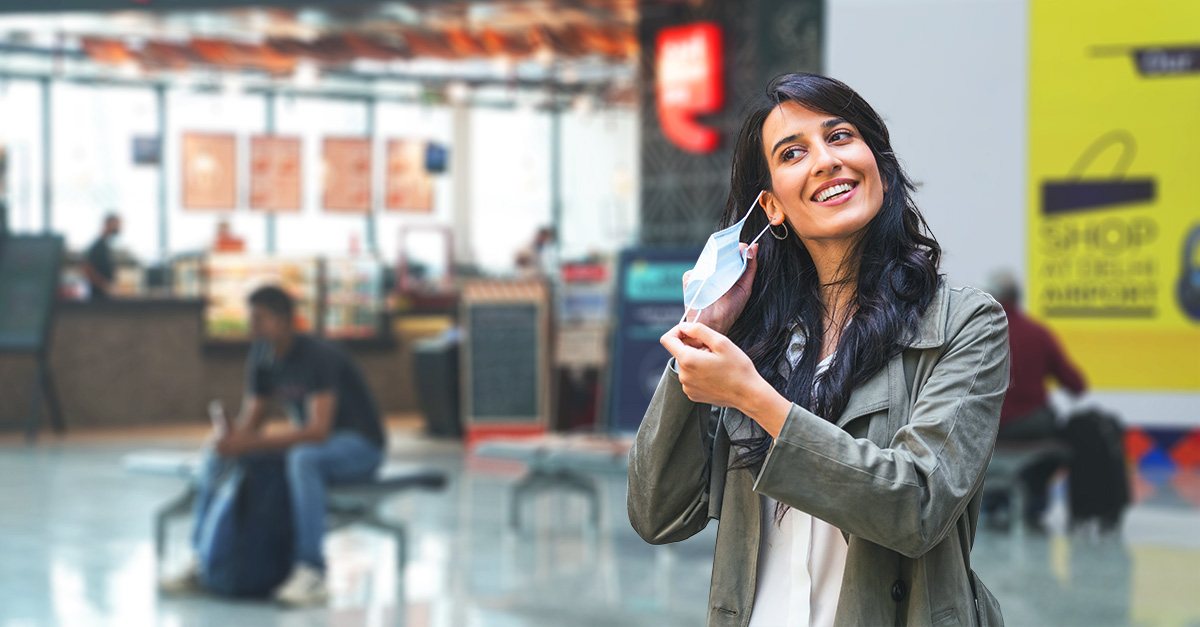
{"x": 486, "y": 206}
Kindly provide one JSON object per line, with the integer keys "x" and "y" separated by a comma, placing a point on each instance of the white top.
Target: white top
{"x": 800, "y": 565}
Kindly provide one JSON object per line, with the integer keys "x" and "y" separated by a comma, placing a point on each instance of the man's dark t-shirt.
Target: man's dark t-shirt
{"x": 314, "y": 366}
{"x": 99, "y": 257}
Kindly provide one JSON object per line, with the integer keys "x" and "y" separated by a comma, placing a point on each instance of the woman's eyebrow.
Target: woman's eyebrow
{"x": 790, "y": 138}
{"x": 827, "y": 124}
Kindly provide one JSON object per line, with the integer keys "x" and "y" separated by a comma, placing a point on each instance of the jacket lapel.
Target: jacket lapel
{"x": 868, "y": 398}
{"x": 877, "y": 392}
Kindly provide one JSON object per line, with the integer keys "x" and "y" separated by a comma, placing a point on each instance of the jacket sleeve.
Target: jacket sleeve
{"x": 905, "y": 497}
{"x": 668, "y": 466}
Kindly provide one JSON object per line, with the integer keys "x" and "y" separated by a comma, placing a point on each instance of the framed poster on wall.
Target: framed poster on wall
{"x": 347, "y": 175}
{"x": 409, "y": 184}
{"x": 275, "y": 173}
{"x": 209, "y": 171}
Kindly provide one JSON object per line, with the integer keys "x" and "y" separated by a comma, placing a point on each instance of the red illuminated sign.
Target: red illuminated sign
{"x": 690, "y": 82}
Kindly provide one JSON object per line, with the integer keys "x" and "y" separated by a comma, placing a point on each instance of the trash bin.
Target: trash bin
{"x": 436, "y": 364}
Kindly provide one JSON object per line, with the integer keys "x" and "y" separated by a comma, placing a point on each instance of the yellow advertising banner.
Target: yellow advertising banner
{"x": 1114, "y": 187}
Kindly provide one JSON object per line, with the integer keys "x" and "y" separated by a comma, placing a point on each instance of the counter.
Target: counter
{"x": 147, "y": 361}
{"x": 118, "y": 362}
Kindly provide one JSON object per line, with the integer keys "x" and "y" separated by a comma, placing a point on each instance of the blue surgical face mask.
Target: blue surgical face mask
{"x": 720, "y": 265}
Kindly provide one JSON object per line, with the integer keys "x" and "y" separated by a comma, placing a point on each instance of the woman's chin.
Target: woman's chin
{"x": 842, "y": 227}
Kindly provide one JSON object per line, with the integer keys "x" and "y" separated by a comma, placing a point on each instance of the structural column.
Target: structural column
{"x": 460, "y": 173}
{"x": 682, "y": 193}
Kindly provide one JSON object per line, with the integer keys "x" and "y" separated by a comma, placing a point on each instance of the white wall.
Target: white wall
{"x": 950, "y": 77}
{"x": 21, "y": 134}
{"x": 510, "y": 180}
{"x": 600, "y": 181}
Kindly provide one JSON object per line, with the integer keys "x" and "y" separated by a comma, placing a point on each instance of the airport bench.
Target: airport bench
{"x": 346, "y": 503}
{"x": 1009, "y": 460}
{"x": 568, "y": 463}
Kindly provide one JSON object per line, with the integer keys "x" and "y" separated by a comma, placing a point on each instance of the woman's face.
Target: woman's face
{"x": 824, "y": 177}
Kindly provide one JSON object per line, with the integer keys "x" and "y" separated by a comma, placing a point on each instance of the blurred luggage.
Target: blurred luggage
{"x": 436, "y": 369}
{"x": 245, "y": 547}
{"x": 1099, "y": 482}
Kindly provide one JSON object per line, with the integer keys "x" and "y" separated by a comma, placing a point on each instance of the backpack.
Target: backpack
{"x": 245, "y": 542}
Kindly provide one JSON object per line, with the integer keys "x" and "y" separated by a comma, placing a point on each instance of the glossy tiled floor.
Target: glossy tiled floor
{"x": 76, "y": 549}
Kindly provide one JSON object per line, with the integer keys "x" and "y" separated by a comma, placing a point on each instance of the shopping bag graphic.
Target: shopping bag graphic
{"x": 1080, "y": 193}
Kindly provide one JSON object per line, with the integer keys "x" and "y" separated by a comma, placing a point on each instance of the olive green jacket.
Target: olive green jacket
{"x": 900, "y": 472}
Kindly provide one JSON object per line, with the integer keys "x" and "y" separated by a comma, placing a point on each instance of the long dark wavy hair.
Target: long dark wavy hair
{"x": 896, "y": 261}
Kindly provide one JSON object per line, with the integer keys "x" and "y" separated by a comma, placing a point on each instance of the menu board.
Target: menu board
{"x": 347, "y": 175}
{"x": 209, "y": 171}
{"x": 409, "y": 184}
{"x": 505, "y": 372}
{"x": 649, "y": 301}
{"x": 505, "y": 361}
{"x": 275, "y": 173}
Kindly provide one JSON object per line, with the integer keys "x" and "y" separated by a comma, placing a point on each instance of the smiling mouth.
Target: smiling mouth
{"x": 833, "y": 191}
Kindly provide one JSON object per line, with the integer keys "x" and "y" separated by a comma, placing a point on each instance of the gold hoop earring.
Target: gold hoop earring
{"x": 785, "y": 231}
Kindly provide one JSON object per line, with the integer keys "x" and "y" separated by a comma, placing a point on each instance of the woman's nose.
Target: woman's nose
{"x": 824, "y": 161}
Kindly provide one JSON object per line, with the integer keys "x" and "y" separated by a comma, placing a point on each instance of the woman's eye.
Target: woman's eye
{"x": 840, "y": 135}
{"x": 791, "y": 153}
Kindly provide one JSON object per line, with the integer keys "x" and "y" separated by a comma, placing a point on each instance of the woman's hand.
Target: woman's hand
{"x": 713, "y": 370}
{"x": 720, "y": 315}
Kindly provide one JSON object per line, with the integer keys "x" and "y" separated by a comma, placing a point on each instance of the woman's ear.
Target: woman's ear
{"x": 771, "y": 206}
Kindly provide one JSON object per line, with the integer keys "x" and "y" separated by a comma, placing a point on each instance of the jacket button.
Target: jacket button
{"x": 899, "y": 590}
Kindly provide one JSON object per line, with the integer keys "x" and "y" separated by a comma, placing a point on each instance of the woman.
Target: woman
{"x": 836, "y": 409}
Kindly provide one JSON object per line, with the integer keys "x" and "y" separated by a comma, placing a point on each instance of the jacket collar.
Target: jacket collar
{"x": 931, "y": 329}
{"x": 877, "y": 392}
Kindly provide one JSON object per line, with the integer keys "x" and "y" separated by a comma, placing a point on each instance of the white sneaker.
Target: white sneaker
{"x": 305, "y": 586}
{"x": 186, "y": 581}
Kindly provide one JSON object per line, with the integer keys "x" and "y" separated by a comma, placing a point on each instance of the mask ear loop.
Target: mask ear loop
{"x": 752, "y": 242}
{"x": 760, "y": 233}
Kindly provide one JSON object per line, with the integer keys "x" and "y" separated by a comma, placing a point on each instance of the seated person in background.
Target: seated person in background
{"x": 226, "y": 241}
{"x": 98, "y": 264}
{"x": 337, "y": 434}
{"x": 1036, "y": 356}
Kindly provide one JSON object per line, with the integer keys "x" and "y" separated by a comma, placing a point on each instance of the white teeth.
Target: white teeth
{"x": 828, "y": 193}
{"x": 833, "y": 191}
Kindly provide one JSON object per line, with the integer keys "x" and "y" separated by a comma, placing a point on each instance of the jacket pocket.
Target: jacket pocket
{"x": 948, "y": 616}
{"x": 986, "y": 605}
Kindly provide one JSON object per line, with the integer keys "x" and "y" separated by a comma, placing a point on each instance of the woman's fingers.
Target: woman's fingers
{"x": 703, "y": 335}
{"x": 680, "y": 345}
{"x": 693, "y": 343}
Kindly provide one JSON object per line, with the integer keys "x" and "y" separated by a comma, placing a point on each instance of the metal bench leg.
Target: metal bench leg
{"x": 177, "y": 506}
{"x": 398, "y": 531}
{"x": 535, "y": 481}
{"x": 539, "y": 481}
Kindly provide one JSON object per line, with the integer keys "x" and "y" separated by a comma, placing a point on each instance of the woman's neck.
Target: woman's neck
{"x": 837, "y": 275}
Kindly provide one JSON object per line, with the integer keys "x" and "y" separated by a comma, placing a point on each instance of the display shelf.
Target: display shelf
{"x": 338, "y": 298}
{"x": 353, "y": 297}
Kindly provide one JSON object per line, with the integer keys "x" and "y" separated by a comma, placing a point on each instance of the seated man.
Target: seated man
{"x": 336, "y": 435}
{"x": 1036, "y": 358}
